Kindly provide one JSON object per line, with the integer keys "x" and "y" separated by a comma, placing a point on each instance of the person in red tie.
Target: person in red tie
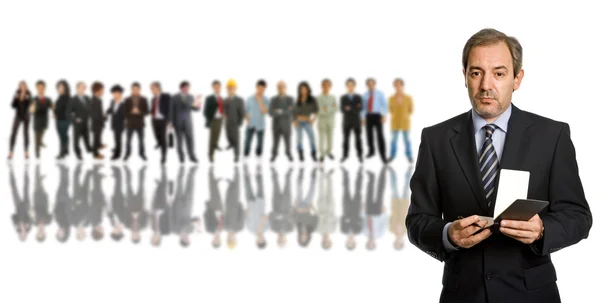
{"x": 40, "y": 107}
{"x": 213, "y": 112}
{"x": 161, "y": 105}
{"x": 373, "y": 116}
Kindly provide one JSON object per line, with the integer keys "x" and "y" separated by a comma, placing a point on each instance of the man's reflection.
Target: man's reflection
{"x": 21, "y": 219}
{"x": 280, "y": 218}
{"x": 399, "y": 207}
{"x": 304, "y": 210}
{"x": 62, "y": 205}
{"x": 326, "y": 208}
{"x": 375, "y": 216}
{"x": 137, "y": 215}
{"x": 183, "y": 205}
{"x": 81, "y": 203}
{"x": 98, "y": 205}
{"x": 234, "y": 210}
{"x": 41, "y": 205}
{"x": 257, "y": 220}
{"x": 352, "y": 222}
{"x": 213, "y": 210}
{"x": 162, "y": 213}
{"x": 117, "y": 213}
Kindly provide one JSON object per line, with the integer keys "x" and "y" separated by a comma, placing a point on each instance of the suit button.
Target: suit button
{"x": 488, "y": 276}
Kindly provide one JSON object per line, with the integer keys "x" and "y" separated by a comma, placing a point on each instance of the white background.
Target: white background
{"x": 421, "y": 41}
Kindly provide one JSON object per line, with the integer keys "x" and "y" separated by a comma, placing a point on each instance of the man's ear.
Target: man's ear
{"x": 518, "y": 79}
{"x": 465, "y": 76}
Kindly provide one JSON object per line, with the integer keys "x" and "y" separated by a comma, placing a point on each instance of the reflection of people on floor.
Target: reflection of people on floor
{"x": 116, "y": 211}
{"x": 399, "y": 208}
{"x": 326, "y": 209}
{"x": 213, "y": 209}
{"x": 21, "y": 219}
{"x": 375, "y": 219}
{"x": 136, "y": 215}
{"x": 62, "y": 205}
{"x": 280, "y": 218}
{"x": 98, "y": 205}
{"x": 351, "y": 221}
{"x": 162, "y": 214}
{"x": 81, "y": 202}
{"x": 257, "y": 220}
{"x": 234, "y": 210}
{"x": 41, "y": 205}
{"x": 304, "y": 210}
{"x": 183, "y": 205}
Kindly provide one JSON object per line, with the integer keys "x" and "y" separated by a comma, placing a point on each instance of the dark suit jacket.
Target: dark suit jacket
{"x": 164, "y": 106}
{"x": 210, "y": 108}
{"x": 117, "y": 122}
{"x": 136, "y": 121}
{"x": 446, "y": 184}
{"x": 41, "y": 113}
{"x": 96, "y": 114}
{"x": 351, "y": 117}
{"x": 80, "y": 112}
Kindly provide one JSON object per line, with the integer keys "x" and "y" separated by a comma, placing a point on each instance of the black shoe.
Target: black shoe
{"x": 157, "y": 146}
{"x": 343, "y": 159}
{"x": 78, "y": 157}
{"x": 290, "y": 158}
{"x": 193, "y": 159}
{"x": 360, "y": 159}
{"x": 370, "y": 155}
{"x": 301, "y": 155}
{"x": 390, "y": 159}
{"x": 114, "y": 158}
{"x": 143, "y": 157}
{"x": 331, "y": 156}
{"x": 410, "y": 160}
{"x": 273, "y": 158}
{"x": 218, "y": 148}
{"x": 236, "y": 159}
{"x": 59, "y": 157}
{"x": 163, "y": 161}
{"x": 229, "y": 147}
{"x": 322, "y": 159}
{"x": 314, "y": 156}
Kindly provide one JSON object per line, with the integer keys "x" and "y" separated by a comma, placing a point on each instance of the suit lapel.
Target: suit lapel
{"x": 517, "y": 140}
{"x": 463, "y": 144}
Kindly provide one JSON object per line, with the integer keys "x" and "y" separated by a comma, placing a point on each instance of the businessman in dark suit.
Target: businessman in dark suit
{"x": 80, "y": 114}
{"x": 180, "y": 116}
{"x": 98, "y": 118}
{"x": 136, "y": 109}
{"x": 456, "y": 177}
{"x": 117, "y": 121}
{"x": 351, "y": 107}
{"x": 160, "y": 108}
{"x": 214, "y": 110}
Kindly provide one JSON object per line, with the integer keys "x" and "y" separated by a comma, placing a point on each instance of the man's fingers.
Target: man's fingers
{"x": 468, "y": 221}
{"x": 473, "y": 240}
{"x": 469, "y": 231}
{"x": 518, "y": 233}
{"x": 522, "y": 225}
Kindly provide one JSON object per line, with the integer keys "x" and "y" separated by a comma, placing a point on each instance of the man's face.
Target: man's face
{"x": 81, "y": 89}
{"x": 326, "y": 87}
{"x": 185, "y": 90}
{"x": 490, "y": 80}
{"x": 155, "y": 90}
{"x": 350, "y": 86}
{"x": 217, "y": 89}
{"x": 281, "y": 88}
{"x": 100, "y": 93}
{"x": 41, "y": 89}
{"x": 135, "y": 90}
{"x": 371, "y": 84}
{"x": 231, "y": 90}
{"x": 117, "y": 95}
{"x": 260, "y": 90}
{"x": 399, "y": 87}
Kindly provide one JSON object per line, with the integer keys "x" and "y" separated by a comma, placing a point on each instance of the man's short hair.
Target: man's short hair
{"x": 216, "y": 82}
{"x": 184, "y": 84}
{"x": 371, "y": 79}
{"x": 399, "y": 80}
{"x": 156, "y": 84}
{"x": 326, "y": 80}
{"x": 40, "y": 82}
{"x": 97, "y": 86}
{"x": 490, "y": 36}
{"x": 136, "y": 84}
{"x": 350, "y": 80}
{"x": 116, "y": 88}
{"x": 262, "y": 83}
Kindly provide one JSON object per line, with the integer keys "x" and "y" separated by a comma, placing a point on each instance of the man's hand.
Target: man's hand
{"x": 461, "y": 232}
{"x": 523, "y": 231}
{"x": 347, "y": 108}
{"x": 383, "y": 119}
{"x": 363, "y": 122}
{"x": 295, "y": 124}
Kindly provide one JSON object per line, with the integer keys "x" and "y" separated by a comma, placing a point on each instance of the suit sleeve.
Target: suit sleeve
{"x": 272, "y": 108}
{"x": 205, "y": 110}
{"x": 567, "y": 219}
{"x": 424, "y": 221}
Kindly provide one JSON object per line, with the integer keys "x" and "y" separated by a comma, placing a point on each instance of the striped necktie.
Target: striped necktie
{"x": 488, "y": 162}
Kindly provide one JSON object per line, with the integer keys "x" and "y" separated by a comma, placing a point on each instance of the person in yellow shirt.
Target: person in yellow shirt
{"x": 400, "y": 107}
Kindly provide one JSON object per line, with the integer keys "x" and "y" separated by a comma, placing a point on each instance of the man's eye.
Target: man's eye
{"x": 499, "y": 74}
{"x": 475, "y": 74}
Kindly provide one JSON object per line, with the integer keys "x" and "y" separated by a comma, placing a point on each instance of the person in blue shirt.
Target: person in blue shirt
{"x": 374, "y": 113}
{"x": 257, "y": 108}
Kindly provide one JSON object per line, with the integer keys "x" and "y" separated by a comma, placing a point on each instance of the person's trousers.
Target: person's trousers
{"x": 140, "y": 135}
{"x": 159, "y": 126}
{"x": 97, "y": 141}
{"x": 349, "y": 129}
{"x": 15, "y": 128}
{"x": 407, "y": 145}
{"x": 306, "y": 127}
{"x": 233, "y": 136}
{"x": 248, "y": 141}
{"x": 374, "y": 125}
{"x": 118, "y": 136}
{"x": 278, "y": 134}
{"x": 325, "y": 136}
{"x": 39, "y": 137}
{"x": 184, "y": 130}
{"x": 62, "y": 127}
{"x": 81, "y": 132}
{"x": 215, "y": 133}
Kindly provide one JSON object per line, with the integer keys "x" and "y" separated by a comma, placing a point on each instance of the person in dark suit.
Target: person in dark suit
{"x": 117, "y": 214}
{"x": 40, "y": 108}
{"x": 62, "y": 115}
{"x": 117, "y": 121}
{"x": 97, "y": 118}
{"x": 80, "y": 205}
{"x": 21, "y": 104}
{"x": 213, "y": 210}
{"x": 160, "y": 111}
{"x": 98, "y": 204}
{"x": 453, "y": 179}
{"x": 214, "y": 110}
{"x": 136, "y": 109}
{"x": 21, "y": 219}
{"x": 62, "y": 205}
{"x": 41, "y": 205}
{"x": 351, "y": 222}
{"x": 80, "y": 114}
{"x": 234, "y": 117}
{"x": 351, "y": 108}
{"x": 180, "y": 116}
{"x": 136, "y": 216}
{"x": 281, "y": 110}
{"x": 280, "y": 218}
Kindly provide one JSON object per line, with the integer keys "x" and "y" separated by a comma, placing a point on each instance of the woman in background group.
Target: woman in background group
{"x": 305, "y": 114}
{"x": 21, "y": 103}
{"x": 62, "y": 114}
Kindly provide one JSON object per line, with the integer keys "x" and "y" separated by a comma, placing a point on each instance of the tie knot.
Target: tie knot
{"x": 489, "y": 129}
